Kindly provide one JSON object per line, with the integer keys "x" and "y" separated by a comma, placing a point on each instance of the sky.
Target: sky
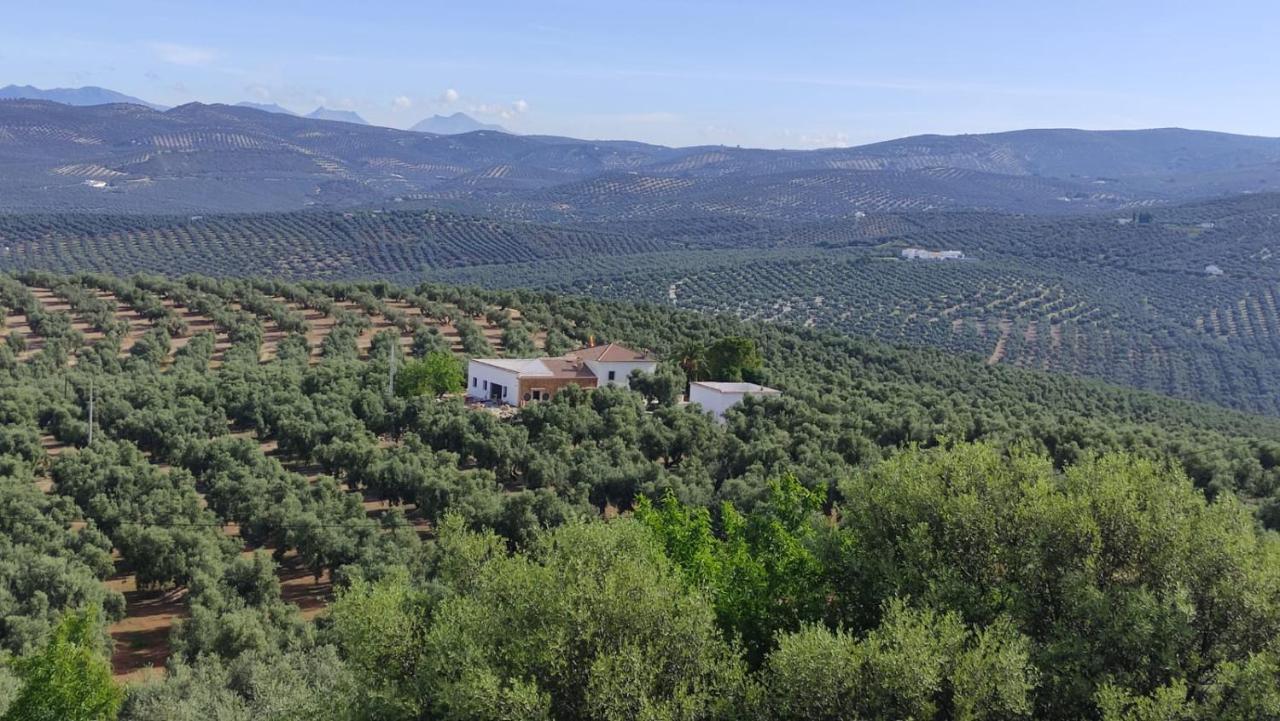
{"x": 763, "y": 74}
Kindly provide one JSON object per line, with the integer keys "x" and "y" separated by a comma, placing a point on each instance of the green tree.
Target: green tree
{"x": 437, "y": 373}
{"x": 308, "y": 685}
{"x": 1124, "y": 578}
{"x": 69, "y": 679}
{"x": 733, "y": 359}
{"x": 692, "y": 359}
{"x": 591, "y": 622}
{"x": 665, "y": 386}
{"x": 918, "y": 664}
{"x": 380, "y": 627}
{"x": 762, "y": 572}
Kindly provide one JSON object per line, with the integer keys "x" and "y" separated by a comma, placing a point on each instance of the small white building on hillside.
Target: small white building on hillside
{"x": 922, "y": 254}
{"x": 720, "y": 397}
{"x": 516, "y": 381}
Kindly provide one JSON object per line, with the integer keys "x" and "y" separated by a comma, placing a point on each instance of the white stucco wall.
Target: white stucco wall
{"x": 712, "y": 401}
{"x": 717, "y": 402}
{"x": 622, "y": 371}
{"x": 478, "y": 374}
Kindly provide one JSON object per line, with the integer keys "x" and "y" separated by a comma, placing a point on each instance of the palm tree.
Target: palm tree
{"x": 692, "y": 358}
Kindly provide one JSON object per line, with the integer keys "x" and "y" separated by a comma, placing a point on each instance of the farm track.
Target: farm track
{"x": 997, "y": 353}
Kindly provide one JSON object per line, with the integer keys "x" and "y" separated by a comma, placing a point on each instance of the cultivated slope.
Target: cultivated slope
{"x": 205, "y": 158}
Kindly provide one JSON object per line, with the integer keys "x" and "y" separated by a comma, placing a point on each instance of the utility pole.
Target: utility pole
{"x": 91, "y": 390}
{"x": 391, "y": 369}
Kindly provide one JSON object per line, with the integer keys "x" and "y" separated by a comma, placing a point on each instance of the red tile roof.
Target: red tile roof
{"x": 610, "y": 353}
{"x": 567, "y": 368}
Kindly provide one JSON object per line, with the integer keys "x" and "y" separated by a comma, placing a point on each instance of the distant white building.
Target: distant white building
{"x": 922, "y": 254}
{"x": 516, "y": 381}
{"x": 720, "y": 397}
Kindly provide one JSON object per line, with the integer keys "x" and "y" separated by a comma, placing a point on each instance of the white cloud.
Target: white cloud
{"x": 816, "y": 140}
{"x": 176, "y": 54}
{"x": 501, "y": 110}
{"x": 449, "y": 96}
{"x": 259, "y": 92}
{"x": 402, "y": 103}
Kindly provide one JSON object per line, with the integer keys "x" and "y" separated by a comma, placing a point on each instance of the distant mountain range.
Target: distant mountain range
{"x": 455, "y": 124}
{"x": 342, "y": 116}
{"x": 88, "y": 95}
{"x": 265, "y": 107}
{"x": 209, "y": 158}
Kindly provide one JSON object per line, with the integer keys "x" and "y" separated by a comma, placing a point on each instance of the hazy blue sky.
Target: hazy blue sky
{"x": 778, "y": 74}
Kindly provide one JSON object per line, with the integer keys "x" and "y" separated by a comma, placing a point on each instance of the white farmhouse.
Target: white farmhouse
{"x": 720, "y": 397}
{"x": 516, "y": 381}
{"x": 612, "y": 364}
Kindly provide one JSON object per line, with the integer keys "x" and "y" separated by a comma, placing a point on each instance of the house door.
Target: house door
{"x": 496, "y": 391}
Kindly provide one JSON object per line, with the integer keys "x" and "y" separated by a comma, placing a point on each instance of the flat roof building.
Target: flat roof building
{"x": 717, "y": 397}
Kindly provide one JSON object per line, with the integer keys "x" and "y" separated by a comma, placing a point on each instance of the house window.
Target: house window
{"x": 613, "y": 374}
{"x": 486, "y": 385}
{"x": 474, "y": 381}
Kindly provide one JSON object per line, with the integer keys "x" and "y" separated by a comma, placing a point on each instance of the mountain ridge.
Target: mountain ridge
{"x": 454, "y": 124}
{"x": 266, "y": 107}
{"x": 226, "y": 158}
{"x": 82, "y": 96}
{"x": 342, "y": 116}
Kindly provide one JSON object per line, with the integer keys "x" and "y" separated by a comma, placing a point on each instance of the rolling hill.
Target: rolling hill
{"x": 215, "y": 158}
{"x": 1118, "y": 297}
{"x": 1185, "y": 304}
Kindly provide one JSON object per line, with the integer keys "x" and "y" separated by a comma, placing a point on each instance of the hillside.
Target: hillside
{"x": 241, "y": 416}
{"x": 358, "y": 244}
{"x": 216, "y": 158}
{"x": 1106, "y": 297}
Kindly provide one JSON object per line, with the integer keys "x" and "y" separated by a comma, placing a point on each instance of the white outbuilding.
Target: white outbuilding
{"x": 720, "y": 397}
